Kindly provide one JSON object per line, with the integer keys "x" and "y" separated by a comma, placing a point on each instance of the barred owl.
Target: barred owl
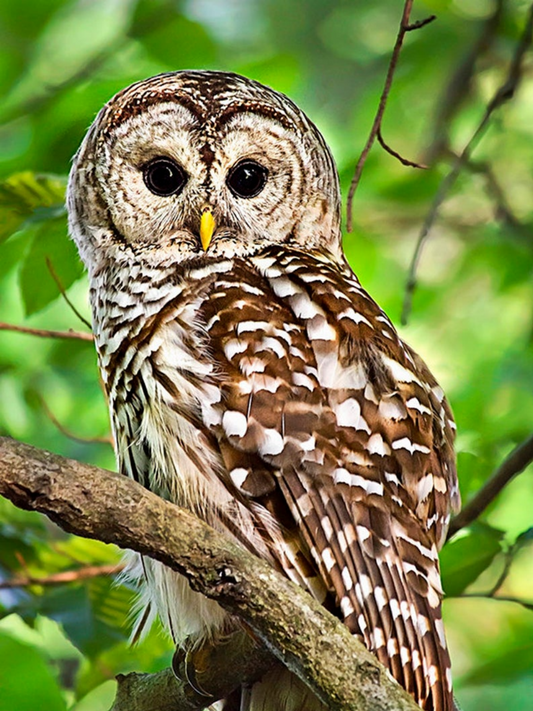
{"x": 251, "y": 378}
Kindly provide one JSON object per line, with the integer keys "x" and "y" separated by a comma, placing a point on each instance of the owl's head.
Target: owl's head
{"x": 192, "y": 165}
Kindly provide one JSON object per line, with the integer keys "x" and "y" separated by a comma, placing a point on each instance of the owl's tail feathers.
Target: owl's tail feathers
{"x": 143, "y": 612}
{"x": 230, "y": 703}
{"x": 278, "y": 690}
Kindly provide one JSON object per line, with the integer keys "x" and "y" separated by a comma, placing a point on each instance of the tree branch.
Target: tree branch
{"x": 515, "y": 463}
{"x": 404, "y": 161}
{"x": 64, "y": 576}
{"x": 42, "y": 333}
{"x": 288, "y": 621}
{"x": 63, "y": 293}
{"x": 70, "y": 435}
{"x": 504, "y": 93}
{"x": 501, "y": 598}
{"x": 502, "y": 210}
{"x": 375, "y": 131}
{"x": 458, "y": 87}
{"x": 197, "y": 679}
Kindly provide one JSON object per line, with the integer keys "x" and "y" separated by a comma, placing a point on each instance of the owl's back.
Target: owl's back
{"x": 275, "y": 399}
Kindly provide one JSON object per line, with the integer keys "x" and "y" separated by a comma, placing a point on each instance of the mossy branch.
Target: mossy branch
{"x": 291, "y": 625}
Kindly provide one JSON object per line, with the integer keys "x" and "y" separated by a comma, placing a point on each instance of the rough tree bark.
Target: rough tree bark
{"x": 287, "y": 621}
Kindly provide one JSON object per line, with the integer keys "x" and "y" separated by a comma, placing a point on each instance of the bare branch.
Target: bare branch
{"x": 49, "y": 92}
{"x": 287, "y": 620}
{"x": 376, "y": 126}
{"x": 502, "y": 210}
{"x": 501, "y": 598}
{"x": 70, "y": 435}
{"x": 203, "y": 676}
{"x": 43, "y": 333}
{"x": 65, "y": 576}
{"x": 503, "y": 94}
{"x": 460, "y": 83}
{"x": 502, "y": 577}
{"x": 63, "y": 293}
{"x": 515, "y": 463}
{"x": 403, "y": 161}
{"x": 420, "y": 23}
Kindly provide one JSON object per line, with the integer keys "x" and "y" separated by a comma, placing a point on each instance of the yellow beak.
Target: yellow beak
{"x": 207, "y": 227}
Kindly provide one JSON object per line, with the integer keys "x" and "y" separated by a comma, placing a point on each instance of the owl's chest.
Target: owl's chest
{"x": 162, "y": 385}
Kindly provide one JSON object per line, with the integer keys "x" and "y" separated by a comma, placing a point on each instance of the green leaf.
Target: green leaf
{"x": 50, "y": 247}
{"x": 13, "y": 545}
{"x": 511, "y": 664}
{"x": 99, "y": 699}
{"x": 24, "y": 195}
{"x": 524, "y": 538}
{"x": 93, "y": 616}
{"x": 111, "y": 603}
{"x": 151, "y": 654}
{"x": 466, "y": 556}
{"x": 12, "y": 251}
{"x": 180, "y": 42}
{"x": 89, "y": 551}
{"x": 25, "y": 522}
{"x": 26, "y": 679}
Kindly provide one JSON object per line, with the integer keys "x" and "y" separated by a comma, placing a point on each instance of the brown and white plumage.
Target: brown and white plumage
{"x": 255, "y": 381}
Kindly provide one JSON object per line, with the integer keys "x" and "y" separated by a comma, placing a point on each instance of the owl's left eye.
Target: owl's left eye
{"x": 164, "y": 177}
{"x": 247, "y": 179}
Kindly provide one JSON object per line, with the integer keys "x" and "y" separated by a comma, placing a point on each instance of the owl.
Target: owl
{"x": 251, "y": 378}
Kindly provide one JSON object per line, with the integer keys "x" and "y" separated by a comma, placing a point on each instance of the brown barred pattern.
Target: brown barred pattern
{"x": 358, "y": 439}
{"x": 259, "y": 385}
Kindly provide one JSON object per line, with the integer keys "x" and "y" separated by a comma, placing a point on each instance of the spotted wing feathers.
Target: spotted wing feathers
{"x": 340, "y": 440}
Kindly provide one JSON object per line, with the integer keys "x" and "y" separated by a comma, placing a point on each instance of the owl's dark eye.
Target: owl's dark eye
{"x": 164, "y": 177}
{"x": 247, "y": 179}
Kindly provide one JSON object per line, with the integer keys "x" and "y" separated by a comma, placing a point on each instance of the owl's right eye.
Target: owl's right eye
{"x": 164, "y": 177}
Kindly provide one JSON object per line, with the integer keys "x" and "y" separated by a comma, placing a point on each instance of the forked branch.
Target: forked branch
{"x": 515, "y": 463}
{"x": 504, "y": 93}
{"x": 375, "y": 131}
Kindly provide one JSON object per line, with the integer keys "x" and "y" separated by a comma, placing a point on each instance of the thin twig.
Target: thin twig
{"x": 63, "y": 293}
{"x": 420, "y": 23}
{"x": 502, "y": 577}
{"x": 21, "y": 560}
{"x": 403, "y": 161}
{"x": 40, "y": 102}
{"x": 501, "y": 598}
{"x": 43, "y": 333}
{"x": 376, "y": 126}
{"x": 502, "y": 210}
{"x": 458, "y": 87}
{"x": 515, "y": 463}
{"x": 65, "y": 576}
{"x": 68, "y": 433}
{"x": 504, "y": 93}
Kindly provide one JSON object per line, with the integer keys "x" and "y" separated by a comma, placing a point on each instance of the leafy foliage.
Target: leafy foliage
{"x": 21, "y": 662}
{"x": 467, "y": 556}
{"x": 61, "y": 645}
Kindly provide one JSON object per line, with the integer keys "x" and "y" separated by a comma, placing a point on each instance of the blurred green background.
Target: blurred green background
{"x": 472, "y": 318}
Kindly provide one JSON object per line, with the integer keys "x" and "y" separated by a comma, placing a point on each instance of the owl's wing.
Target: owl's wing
{"x": 340, "y": 440}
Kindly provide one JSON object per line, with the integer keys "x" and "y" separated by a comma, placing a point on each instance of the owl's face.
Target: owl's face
{"x": 193, "y": 165}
